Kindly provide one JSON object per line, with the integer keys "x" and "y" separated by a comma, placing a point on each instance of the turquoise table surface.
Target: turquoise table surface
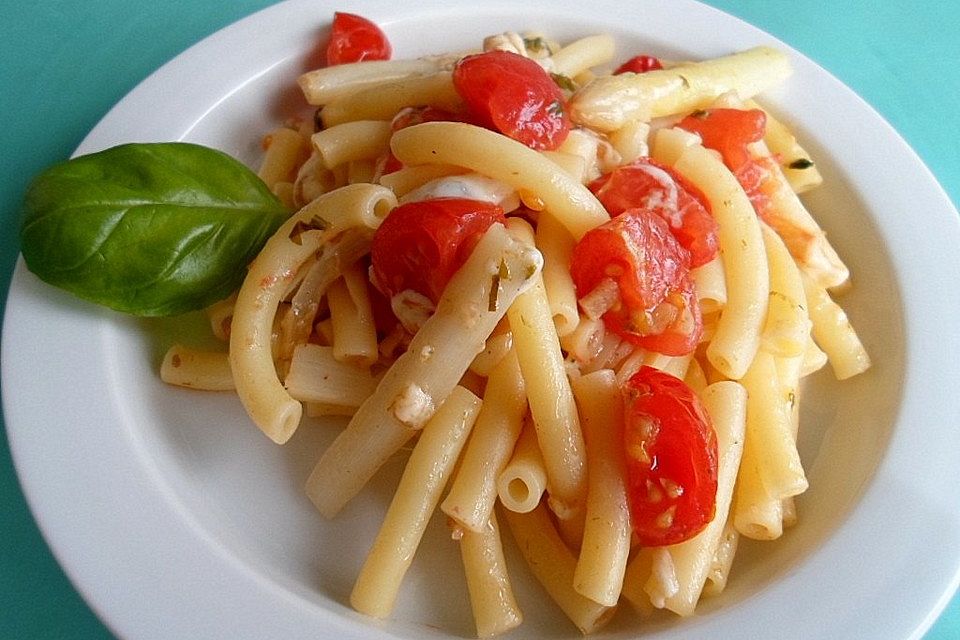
{"x": 63, "y": 63}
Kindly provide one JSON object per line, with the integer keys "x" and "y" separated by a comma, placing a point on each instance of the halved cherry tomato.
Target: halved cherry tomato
{"x": 639, "y": 64}
{"x": 354, "y": 38}
{"x": 515, "y": 96}
{"x": 655, "y": 305}
{"x": 655, "y": 187}
{"x": 671, "y": 454}
{"x": 730, "y": 131}
{"x": 420, "y": 245}
{"x": 679, "y": 311}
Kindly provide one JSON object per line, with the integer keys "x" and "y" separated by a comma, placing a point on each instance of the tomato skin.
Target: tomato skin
{"x": 672, "y": 459}
{"x": 647, "y": 184}
{"x": 420, "y": 245}
{"x": 656, "y": 308}
{"x": 729, "y": 131}
{"x": 639, "y": 64}
{"x": 512, "y": 94}
{"x": 353, "y": 38}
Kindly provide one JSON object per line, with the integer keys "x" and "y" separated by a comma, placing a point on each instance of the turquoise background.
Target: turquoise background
{"x": 64, "y": 63}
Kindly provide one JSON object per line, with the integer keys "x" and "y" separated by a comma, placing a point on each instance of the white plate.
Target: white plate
{"x": 176, "y": 518}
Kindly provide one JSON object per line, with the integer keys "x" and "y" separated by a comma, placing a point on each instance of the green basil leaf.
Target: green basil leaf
{"x": 150, "y": 229}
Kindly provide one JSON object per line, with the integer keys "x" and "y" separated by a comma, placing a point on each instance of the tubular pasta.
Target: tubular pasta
{"x": 416, "y": 498}
{"x": 769, "y": 426}
{"x": 286, "y": 151}
{"x": 550, "y": 396}
{"x": 506, "y": 160}
{"x": 556, "y": 244}
{"x": 737, "y": 335}
{"x": 316, "y": 375}
{"x": 726, "y": 403}
{"x": 711, "y": 286}
{"x": 631, "y": 140}
{"x": 834, "y": 333}
{"x": 405, "y": 180}
{"x": 383, "y": 101}
{"x": 220, "y": 314}
{"x": 195, "y": 369}
{"x": 354, "y": 331}
{"x": 722, "y": 561}
{"x": 496, "y": 347}
{"x": 606, "y": 534}
{"x": 787, "y": 327}
{"x": 421, "y": 378}
{"x": 573, "y": 165}
{"x": 553, "y": 565}
{"x": 523, "y": 480}
{"x": 795, "y": 162}
{"x": 582, "y": 143}
{"x": 322, "y": 86}
{"x": 474, "y": 489}
{"x": 495, "y": 609}
{"x": 582, "y": 54}
{"x": 610, "y": 101}
{"x": 355, "y": 140}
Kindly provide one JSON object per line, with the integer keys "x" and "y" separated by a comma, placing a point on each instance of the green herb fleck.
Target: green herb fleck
{"x": 536, "y": 45}
{"x": 555, "y": 108}
{"x": 494, "y": 293}
{"x": 504, "y": 270}
{"x": 800, "y": 163}
{"x": 564, "y": 82}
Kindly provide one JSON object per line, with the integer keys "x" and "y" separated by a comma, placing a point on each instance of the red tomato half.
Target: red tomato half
{"x": 729, "y": 131}
{"x": 657, "y": 188}
{"x": 420, "y": 245}
{"x": 512, "y": 94}
{"x": 671, "y": 453}
{"x": 639, "y": 64}
{"x": 655, "y": 307}
{"x": 354, "y": 39}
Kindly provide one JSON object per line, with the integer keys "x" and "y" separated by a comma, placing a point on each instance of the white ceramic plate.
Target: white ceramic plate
{"x": 176, "y": 518}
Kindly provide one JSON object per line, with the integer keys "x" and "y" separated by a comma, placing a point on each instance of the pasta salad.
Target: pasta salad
{"x": 582, "y": 286}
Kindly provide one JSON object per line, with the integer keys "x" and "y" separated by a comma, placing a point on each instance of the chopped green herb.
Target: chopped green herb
{"x": 564, "y": 82}
{"x": 800, "y": 163}
{"x": 555, "y": 108}
{"x": 494, "y": 293}
{"x": 504, "y": 270}
{"x": 536, "y": 45}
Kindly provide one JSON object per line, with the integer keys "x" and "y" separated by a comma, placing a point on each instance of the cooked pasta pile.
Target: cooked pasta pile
{"x": 513, "y": 383}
